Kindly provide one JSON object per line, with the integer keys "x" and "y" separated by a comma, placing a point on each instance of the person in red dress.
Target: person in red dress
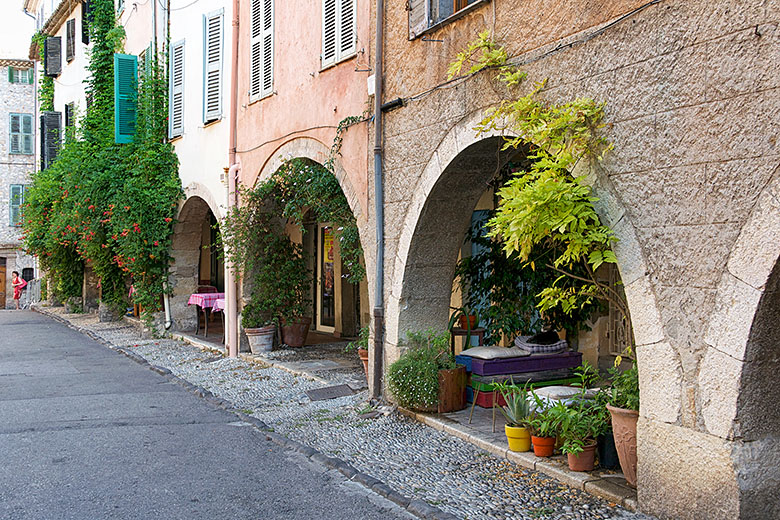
{"x": 18, "y": 284}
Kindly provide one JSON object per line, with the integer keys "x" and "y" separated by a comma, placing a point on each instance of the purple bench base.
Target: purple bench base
{"x": 514, "y": 365}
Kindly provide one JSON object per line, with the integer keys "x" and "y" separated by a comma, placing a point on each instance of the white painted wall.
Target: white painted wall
{"x": 69, "y": 86}
{"x": 202, "y": 149}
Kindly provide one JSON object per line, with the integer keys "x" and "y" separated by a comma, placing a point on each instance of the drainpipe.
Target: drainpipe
{"x": 235, "y": 167}
{"x": 167, "y": 307}
{"x": 379, "y": 305}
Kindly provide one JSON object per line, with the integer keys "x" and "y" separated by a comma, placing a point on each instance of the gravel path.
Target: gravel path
{"x": 415, "y": 460}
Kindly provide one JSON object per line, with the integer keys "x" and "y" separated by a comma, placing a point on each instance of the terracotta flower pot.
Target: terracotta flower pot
{"x": 519, "y": 438}
{"x": 363, "y": 354}
{"x": 543, "y": 446}
{"x": 585, "y": 460}
{"x": 294, "y": 333}
{"x": 470, "y": 324}
{"x": 624, "y": 430}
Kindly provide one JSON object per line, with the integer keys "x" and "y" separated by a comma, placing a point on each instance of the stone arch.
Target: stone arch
{"x": 196, "y": 189}
{"x": 435, "y": 192}
{"x": 186, "y": 249}
{"x": 315, "y": 150}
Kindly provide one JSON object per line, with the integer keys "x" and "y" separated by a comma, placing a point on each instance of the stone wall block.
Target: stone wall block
{"x": 631, "y": 261}
{"x": 683, "y": 474}
{"x": 635, "y": 145}
{"x": 731, "y": 320}
{"x": 660, "y": 382}
{"x": 757, "y": 249}
{"x": 744, "y": 62}
{"x": 644, "y": 313}
{"x": 757, "y": 464}
{"x": 697, "y": 258}
{"x": 720, "y": 378}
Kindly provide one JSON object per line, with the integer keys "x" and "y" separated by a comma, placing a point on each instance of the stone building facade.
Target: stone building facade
{"x": 691, "y": 190}
{"x": 17, "y": 162}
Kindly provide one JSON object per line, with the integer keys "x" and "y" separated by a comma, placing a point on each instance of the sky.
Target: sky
{"x": 16, "y": 29}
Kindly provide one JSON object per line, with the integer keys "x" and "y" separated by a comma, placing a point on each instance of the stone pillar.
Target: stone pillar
{"x": 90, "y": 291}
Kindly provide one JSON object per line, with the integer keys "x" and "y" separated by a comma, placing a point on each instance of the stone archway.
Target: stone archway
{"x": 183, "y": 275}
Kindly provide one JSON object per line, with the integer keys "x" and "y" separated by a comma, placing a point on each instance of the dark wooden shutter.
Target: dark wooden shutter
{"x": 51, "y": 123}
{"x": 125, "y": 96}
{"x": 85, "y": 19}
{"x": 52, "y": 56}
{"x": 70, "y": 42}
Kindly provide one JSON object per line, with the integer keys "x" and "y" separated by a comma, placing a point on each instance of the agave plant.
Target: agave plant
{"x": 517, "y": 409}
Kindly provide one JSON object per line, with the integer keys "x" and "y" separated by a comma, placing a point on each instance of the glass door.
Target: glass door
{"x": 326, "y": 285}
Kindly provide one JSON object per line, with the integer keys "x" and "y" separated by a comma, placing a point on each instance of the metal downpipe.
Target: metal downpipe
{"x": 379, "y": 306}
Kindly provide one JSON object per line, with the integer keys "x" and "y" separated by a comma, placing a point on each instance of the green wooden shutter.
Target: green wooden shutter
{"x": 27, "y": 134}
{"x": 125, "y": 96}
{"x": 15, "y": 213}
{"x": 15, "y": 134}
{"x": 10, "y": 74}
{"x": 31, "y": 75}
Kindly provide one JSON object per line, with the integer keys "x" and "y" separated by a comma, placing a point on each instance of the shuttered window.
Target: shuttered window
{"x": 21, "y": 134}
{"x": 339, "y": 32}
{"x": 426, "y": 13}
{"x": 70, "y": 119}
{"x": 52, "y": 56}
{"x": 212, "y": 66}
{"x": 125, "y": 96}
{"x": 176, "y": 89}
{"x": 70, "y": 39}
{"x": 16, "y": 202}
{"x": 50, "y": 137}
{"x": 20, "y": 75}
{"x": 261, "y": 74}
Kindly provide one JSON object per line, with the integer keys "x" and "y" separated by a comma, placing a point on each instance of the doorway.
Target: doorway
{"x": 326, "y": 273}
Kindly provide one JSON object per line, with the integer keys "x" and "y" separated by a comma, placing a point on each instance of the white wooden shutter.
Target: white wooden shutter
{"x": 261, "y": 74}
{"x": 16, "y": 133}
{"x": 419, "y": 14}
{"x": 329, "y": 30}
{"x": 339, "y": 35}
{"x": 212, "y": 67}
{"x": 347, "y": 32}
{"x": 176, "y": 102}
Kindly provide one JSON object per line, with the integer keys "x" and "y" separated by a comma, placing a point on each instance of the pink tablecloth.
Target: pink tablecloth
{"x": 205, "y": 300}
{"x": 219, "y": 305}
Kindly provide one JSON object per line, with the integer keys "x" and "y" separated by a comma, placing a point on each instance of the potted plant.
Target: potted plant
{"x": 426, "y": 377}
{"x": 516, "y": 411}
{"x": 361, "y": 345}
{"x": 467, "y": 319}
{"x": 285, "y": 282}
{"x": 543, "y": 427}
{"x": 623, "y": 405}
{"x": 259, "y": 325}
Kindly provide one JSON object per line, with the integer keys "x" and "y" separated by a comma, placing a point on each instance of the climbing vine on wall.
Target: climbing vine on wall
{"x": 46, "y": 83}
{"x": 106, "y": 204}
{"x": 545, "y": 206}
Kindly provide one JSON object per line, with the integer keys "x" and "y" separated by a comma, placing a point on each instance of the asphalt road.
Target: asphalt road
{"x": 86, "y": 433}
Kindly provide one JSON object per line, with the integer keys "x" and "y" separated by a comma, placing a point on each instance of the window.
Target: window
{"x": 51, "y": 123}
{"x": 20, "y": 75}
{"x": 70, "y": 119}
{"x": 21, "y": 134}
{"x": 212, "y": 66}
{"x": 125, "y": 96}
{"x": 261, "y": 74}
{"x": 16, "y": 199}
{"x": 176, "y": 89}
{"x": 427, "y": 13}
{"x": 120, "y": 6}
{"x": 338, "y": 31}
{"x": 28, "y": 273}
{"x": 70, "y": 40}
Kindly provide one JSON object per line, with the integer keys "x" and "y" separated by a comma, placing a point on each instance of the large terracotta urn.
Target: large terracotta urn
{"x": 624, "y": 430}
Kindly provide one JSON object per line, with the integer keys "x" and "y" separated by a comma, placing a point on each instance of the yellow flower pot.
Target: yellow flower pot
{"x": 519, "y": 438}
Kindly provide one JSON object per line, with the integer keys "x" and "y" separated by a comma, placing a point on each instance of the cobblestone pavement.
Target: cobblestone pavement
{"x": 415, "y": 460}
